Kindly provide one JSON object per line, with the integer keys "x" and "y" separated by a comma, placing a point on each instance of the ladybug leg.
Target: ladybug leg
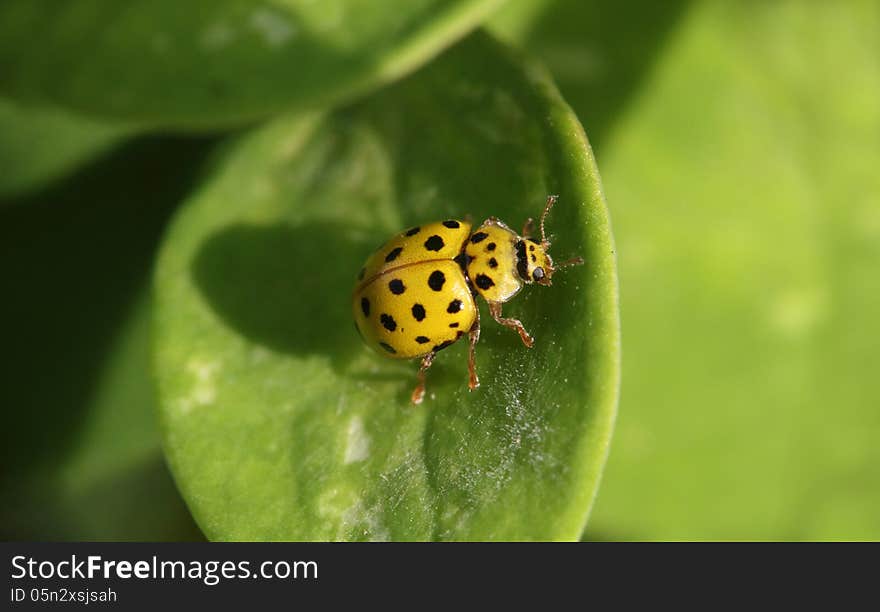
{"x": 514, "y": 324}
{"x": 551, "y": 200}
{"x": 473, "y": 336}
{"x": 418, "y": 393}
{"x": 528, "y": 228}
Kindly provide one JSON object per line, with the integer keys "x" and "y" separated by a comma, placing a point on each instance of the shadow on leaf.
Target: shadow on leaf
{"x": 272, "y": 283}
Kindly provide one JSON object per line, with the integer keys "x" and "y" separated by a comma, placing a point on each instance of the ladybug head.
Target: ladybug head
{"x": 533, "y": 261}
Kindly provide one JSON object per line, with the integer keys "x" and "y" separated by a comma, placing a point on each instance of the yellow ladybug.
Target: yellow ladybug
{"x": 415, "y": 294}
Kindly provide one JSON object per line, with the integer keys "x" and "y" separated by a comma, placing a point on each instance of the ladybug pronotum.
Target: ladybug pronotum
{"x": 415, "y": 294}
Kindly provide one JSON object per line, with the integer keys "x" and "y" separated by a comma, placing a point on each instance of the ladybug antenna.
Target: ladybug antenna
{"x": 553, "y": 268}
{"x": 574, "y": 261}
{"x": 551, "y": 200}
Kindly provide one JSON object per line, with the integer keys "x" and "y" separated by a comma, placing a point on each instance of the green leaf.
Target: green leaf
{"x": 39, "y": 145}
{"x": 280, "y": 424}
{"x": 85, "y": 460}
{"x": 743, "y": 169}
{"x": 111, "y": 483}
{"x": 207, "y": 64}
{"x": 599, "y": 51}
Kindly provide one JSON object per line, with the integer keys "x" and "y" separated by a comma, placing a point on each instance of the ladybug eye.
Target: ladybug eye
{"x": 538, "y": 274}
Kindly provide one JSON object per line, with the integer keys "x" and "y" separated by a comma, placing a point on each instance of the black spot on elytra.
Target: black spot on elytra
{"x": 483, "y": 281}
{"x": 454, "y": 306}
{"x": 491, "y": 246}
{"x": 531, "y": 247}
{"x": 365, "y": 306}
{"x": 388, "y": 322}
{"x": 479, "y": 237}
{"x": 422, "y": 339}
{"x": 463, "y": 260}
{"x": 387, "y": 347}
{"x": 393, "y": 254}
{"x": 451, "y": 224}
{"x": 396, "y": 286}
{"x": 418, "y": 312}
{"x": 434, "y": 243}
{"x": 453, "y": 325}
{"x": 413, "y": 231}
{"x": 534, "y": 259}
{"x": 361, "y": 273}
{"x": 443, "y": 345}
{"x": 493, "y": 263}
{"x": 436, "y": 280}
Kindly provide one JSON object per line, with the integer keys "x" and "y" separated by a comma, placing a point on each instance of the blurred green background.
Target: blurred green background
{"x": 739, "y": 144}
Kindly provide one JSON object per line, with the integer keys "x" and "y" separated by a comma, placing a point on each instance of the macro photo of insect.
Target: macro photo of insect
{"x": 444, "y": 273}
{"x": 439, "y": 270}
